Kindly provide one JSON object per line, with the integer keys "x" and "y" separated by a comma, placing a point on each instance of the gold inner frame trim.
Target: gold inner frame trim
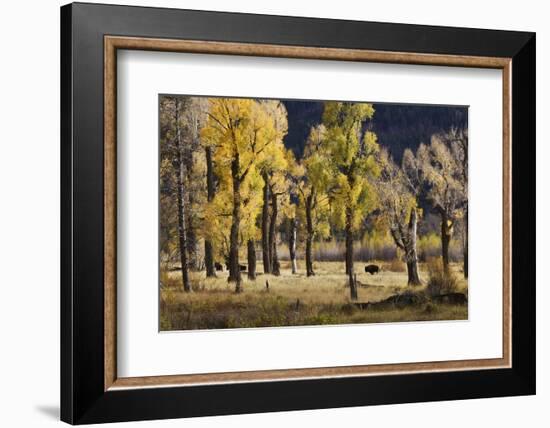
{"x": 113, "y": 43}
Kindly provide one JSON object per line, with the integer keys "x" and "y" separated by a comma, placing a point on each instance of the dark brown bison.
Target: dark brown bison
{"x": 372, "y": 269}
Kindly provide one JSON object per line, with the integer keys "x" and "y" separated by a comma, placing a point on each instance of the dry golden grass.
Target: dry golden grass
{"x": 291, "y": 299}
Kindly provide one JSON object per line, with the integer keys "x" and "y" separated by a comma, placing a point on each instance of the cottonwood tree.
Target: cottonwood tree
{"x": 294, "y": 172}
{"x": 279, "y": 194}
{"x": 398, "y": 189}
{"x": 251, "y": 208}
{"x": 168, "y": 230}
{"x": 169, "y": 250}
{"x": 217, "y": 215}
{"x": 241, "y": 129}
{"x": 351, "y": 158}
{"x": 202, "y": 181}
{"x": 291, "y": 233}
{"x": 457, "y": 139}
{"x": 210, "y": 192}
{"x": 313, "y": 179}
{"x": 172, "y": 138}
{"x": 193, "y": 117}
{"x": 272, "y": 166}
{"x": 443, "y": 173}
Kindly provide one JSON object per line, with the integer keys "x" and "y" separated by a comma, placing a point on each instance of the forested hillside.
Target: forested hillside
{"x": 397, "y": 126}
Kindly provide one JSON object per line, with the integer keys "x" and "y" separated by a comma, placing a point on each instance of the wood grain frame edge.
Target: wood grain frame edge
{"x": 110, "y": 223}
{"x": 112, "y": 43}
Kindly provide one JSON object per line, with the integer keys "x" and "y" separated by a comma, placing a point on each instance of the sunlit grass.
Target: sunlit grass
{"x": 294, "y": 299}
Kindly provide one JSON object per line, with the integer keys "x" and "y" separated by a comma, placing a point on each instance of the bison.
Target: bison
{"x": 372, "y": 269}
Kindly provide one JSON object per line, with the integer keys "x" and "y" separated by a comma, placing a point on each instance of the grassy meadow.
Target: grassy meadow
{"x": 296, "y": 300}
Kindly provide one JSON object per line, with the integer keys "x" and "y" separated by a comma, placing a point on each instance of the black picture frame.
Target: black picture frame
{"x": 83, "y": 399}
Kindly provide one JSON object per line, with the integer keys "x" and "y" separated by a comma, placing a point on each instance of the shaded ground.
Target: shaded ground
{"x": 294, "y": 300}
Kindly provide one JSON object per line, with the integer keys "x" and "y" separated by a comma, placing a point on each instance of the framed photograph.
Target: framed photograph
{"x": 266, "y": 213}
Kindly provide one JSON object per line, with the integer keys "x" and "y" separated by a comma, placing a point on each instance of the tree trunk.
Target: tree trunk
{"x": 208, "y": 248}
{"x": 178, "y": 164}
{"x": 445, "y": 240}
{"x": 465, "y": 243}
{"x": 275, "y": 266}
{"x": 412, "y": 274}
{"x": 251, "y": 248}
{"x": 234, "y": 269}
{"x": 309, "y": 236}
{"x": 292, "y": 244}
{"x": 412, "y": 259}
{"x": 192, "y": 240}
{"x": 464, "y": 144}
{"x": 265, "y": 226}
{"x": 352, "y": 286}
{"x": 209, "y": 259}
{"x": 349, "y": 242}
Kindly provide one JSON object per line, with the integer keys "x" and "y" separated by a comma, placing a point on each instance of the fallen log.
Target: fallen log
{"x": 412, "y": 299}
{"x": 451, "y": 298}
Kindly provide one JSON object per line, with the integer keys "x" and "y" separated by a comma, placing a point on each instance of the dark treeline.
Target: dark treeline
{"x": 397, "y": 126}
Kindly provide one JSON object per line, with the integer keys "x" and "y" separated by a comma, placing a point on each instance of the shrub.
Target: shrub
{"x": 439, "y": 281}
